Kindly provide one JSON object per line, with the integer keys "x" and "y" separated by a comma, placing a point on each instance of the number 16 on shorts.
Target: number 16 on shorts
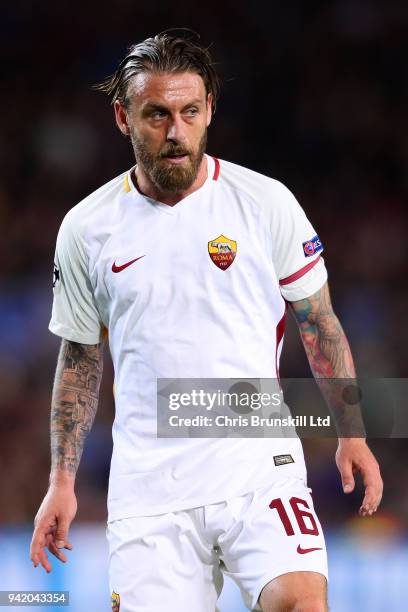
{"x": 305, "y": 519}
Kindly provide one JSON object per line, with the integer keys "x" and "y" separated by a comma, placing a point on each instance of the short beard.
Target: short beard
{"x": 169, "y": 178}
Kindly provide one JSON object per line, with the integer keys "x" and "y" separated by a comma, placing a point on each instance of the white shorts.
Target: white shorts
{"x": 175, "y": 561}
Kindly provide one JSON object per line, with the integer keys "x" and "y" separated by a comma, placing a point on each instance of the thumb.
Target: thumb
{"x": 347, "y": 477}
{"x": 61, "y": 533}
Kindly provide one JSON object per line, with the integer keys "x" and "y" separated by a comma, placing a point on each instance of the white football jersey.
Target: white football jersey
{"x": 195, "y": 290}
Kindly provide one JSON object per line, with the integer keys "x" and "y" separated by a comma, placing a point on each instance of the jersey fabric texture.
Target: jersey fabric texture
{"x": 152, "y": 275}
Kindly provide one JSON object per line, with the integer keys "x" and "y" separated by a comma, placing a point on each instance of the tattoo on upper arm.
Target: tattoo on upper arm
{"x": 74, "y": 402}
{"x": 325, "y": 343}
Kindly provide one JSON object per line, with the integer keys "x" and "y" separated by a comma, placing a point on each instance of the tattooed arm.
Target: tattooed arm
{"x": 73, "y": 409}
{"x": 74, "y": 403}
{"x": 326, "y": 345}
{"x": 330, "y": 359}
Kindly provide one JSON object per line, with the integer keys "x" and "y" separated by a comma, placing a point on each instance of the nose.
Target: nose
{"x": 175, "y": 131}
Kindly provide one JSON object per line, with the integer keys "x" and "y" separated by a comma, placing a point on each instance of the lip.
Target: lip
{"x": 176, "y": 160}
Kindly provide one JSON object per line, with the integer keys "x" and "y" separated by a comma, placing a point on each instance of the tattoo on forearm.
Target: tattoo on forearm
{"x": 324, "y": 340}
{"x": 330, "y": 359}
{"x": 74, "y": 402}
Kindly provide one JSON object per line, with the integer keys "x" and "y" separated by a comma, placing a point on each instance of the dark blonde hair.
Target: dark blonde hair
{"x": 165, "y": 52}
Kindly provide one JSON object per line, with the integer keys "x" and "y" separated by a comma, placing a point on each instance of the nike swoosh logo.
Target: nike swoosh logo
{"x": 116, "y": 268}
{"x": 303, "y": 551}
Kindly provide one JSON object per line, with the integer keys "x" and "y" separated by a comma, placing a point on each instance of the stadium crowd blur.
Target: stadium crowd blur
{"x": 314, "y": 94}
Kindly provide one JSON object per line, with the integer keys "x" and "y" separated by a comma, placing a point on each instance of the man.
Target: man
{"x": 182, "y": 254}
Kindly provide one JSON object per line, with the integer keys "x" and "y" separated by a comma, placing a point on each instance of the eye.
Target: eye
{"x": 158, "y": 114}
{"x": 192, "y": 112}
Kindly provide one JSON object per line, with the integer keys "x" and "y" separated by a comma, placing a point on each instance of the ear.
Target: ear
{"x": 121, "y": 118}
{"x": 209, "y": 108}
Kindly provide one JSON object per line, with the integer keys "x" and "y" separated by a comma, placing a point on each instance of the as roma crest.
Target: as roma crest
{"x": 115, "y": 599}
{"x": 222, "y": 251}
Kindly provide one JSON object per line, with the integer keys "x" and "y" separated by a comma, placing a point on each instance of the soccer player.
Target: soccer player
{"x": 188, "y": 261}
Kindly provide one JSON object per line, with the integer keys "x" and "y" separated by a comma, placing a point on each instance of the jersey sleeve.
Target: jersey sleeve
{"x": 297, "y": 250}
{"x": 74, "y": 316}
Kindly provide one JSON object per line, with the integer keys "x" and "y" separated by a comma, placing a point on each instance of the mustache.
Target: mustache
{"x": 174, "y": 150}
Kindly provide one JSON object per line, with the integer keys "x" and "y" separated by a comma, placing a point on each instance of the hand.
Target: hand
{"x": 52, "y": 524}
{"x": 353, "y": 455}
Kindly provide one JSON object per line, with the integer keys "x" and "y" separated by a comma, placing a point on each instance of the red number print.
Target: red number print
{"x": 300, "y": 515}
{"x": 283, "y": 515}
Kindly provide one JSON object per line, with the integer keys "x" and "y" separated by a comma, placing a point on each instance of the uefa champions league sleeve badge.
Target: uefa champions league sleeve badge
{"x": 55, "y": 275}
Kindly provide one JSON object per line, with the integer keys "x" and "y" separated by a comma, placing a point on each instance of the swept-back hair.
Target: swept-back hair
{"x": 165, "y": 52}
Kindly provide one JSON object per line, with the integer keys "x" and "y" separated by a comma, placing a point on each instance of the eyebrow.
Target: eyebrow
{"x": 154, "y": 106}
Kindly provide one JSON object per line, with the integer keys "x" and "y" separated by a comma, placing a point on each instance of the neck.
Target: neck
{"x": 146, "y": 187}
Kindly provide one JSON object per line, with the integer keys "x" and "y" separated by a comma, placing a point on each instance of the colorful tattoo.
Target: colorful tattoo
{"x": 330, "y": 359}
{"x": 326, "y": 345}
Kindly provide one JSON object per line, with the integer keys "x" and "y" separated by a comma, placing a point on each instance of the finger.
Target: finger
{"x": 37, "y": 552}
{"x": 372, "y": 498}
{"x": 35, "y": 560}
{"x": 67, "y": 545}
{"x": 61, "y": 533}
{"x": 41, "y": 557}
{"x": 347, "y": 478}
{"x": 45, "y": 562}
{"x": 52, "y": 546}
{"x": 373, "y": 490}
{"x": 56, "y": 552}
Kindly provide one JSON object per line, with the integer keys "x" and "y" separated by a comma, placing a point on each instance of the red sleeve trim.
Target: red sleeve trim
{"x": 299, "y": 273}
{"x": 216, "y": 168}
{"x": 280, "y": 332}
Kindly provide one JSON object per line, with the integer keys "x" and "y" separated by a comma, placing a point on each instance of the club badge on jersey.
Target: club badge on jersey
{"x": 222, "y": 251}
{"x": 310, "y": 247}
{"x": 115, "y": 600}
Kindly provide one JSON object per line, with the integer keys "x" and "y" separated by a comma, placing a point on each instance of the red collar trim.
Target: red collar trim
{"x": 216, "y": 168}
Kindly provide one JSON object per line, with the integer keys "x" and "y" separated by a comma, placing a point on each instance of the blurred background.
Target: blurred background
{"x": 314, "y": 94}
